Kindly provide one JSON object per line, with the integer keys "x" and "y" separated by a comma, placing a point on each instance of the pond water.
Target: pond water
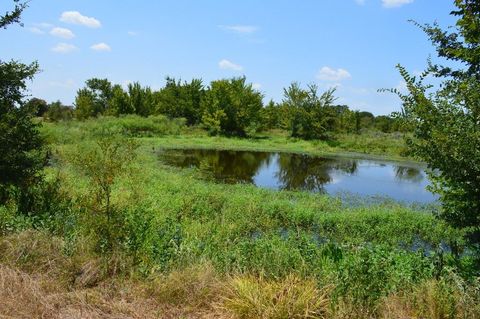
{"x": 337, "y": 176}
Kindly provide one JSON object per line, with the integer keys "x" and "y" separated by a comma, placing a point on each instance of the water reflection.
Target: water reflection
{"x": 408, "y": 174}
{"x": 304, "y": 172}
{"x": 404, "y": 182}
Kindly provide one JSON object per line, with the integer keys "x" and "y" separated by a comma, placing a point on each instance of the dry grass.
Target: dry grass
{"x": 34, "y": 252}
{"x": 448, "y": 298}
{"x": 26, "y": 296}
{"x": 250, "y": 297}
{"x": 193, "y": 288}
{"x": 37, "y": 280}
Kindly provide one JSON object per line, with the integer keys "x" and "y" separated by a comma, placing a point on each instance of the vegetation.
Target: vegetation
{"x": 21, "y": 154}
{"x": 169, "y": 227}
{"x": 312, "y": 115}
{"x": 446, "y": 122}
{"x": 229, "y": 107}
{"x": 107, "y": 230}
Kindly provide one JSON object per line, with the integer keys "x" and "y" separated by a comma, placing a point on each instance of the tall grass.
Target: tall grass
{"x": 250, "y": 297}
{"x": 128, "y": 125}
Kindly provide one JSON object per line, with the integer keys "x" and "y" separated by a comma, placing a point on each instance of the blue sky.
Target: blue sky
{"x": 351, "y": 44}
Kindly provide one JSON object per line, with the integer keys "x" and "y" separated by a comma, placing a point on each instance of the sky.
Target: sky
{"x": 352, "y": 45}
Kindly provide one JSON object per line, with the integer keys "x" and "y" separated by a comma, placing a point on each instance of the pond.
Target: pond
{"x": 337, "y": 176}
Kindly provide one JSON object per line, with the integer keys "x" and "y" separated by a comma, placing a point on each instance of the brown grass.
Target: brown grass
{"x": 251, "y": 297}
{"x": 26, "y": 296}
{"x": 448, "y": 298}
{"x": 37, "y": 280}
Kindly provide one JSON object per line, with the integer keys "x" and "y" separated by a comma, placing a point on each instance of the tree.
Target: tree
{"x": 141, "y": 99}
{"x": 313, "y": 116}
{"x": 59, "y": 112}
{"x": 38, "y": 106}
{"x": 85, "y": 106}
{"x": 446, "y": 120}
{"x": 103, "y": 164}
{"x": 120, "y": 102}
{"x": 232, "y": 107}
{"x": 21, "y": 146}
{"x": 94, "y": 98}
{"x": 179, "y": 99}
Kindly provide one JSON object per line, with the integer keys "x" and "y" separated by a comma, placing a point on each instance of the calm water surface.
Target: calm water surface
{"x": 400, "y": 181}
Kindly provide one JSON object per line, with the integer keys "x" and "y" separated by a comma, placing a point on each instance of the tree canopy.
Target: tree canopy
{"x": 446, "y": 120}
{"x": 21, "y": 155}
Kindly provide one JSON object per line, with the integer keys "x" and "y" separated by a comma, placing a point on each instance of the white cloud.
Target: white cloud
{"x": 241, "y": 29}
{"x": 75, "y": 17}
{"x": 64, "y": 48}
{"x": 43, "y": 25}
{"x": 36, "y": 30}
{"x": 328, "y": 74}
{"x": 395, "y": 3}
{"x": 360, "y": 2}
{"x": 62, "y": 33}
{"x": 228, "y": 65}
{"x": 101, "y": 47}
{"x": 256, "y": 86}
{"x": 132, "y": 33}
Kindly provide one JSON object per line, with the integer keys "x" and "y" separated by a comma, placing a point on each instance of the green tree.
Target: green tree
{"x": 179, "y": 99}
{"x": 103, "y": 164}
{"x": 384, "y": 123}
{"x": 58, "y": 112}
{"x": 313, "y": 116}
{"x": 232, "y": 107}
{"x": 120, "y": 102}
{"x": 141, "y": 99}
{"x": 94, "y": 98}
{"x": 21, "y": 146}
{"x": 446, "y": 120}
{"x": 37, "y": 105}
{"x": 85, "y": 106}
{"x": 271, "y": 116}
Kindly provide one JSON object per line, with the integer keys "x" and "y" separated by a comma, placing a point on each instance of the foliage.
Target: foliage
{"x": 21, "y": 147}
{"x": 312, "y": 116}
{"x": 183, "y": 100}
{"x": 446, "y": 122}
{"x": 85, "y": 105}
{"x": 103, "y": 164}
{"x": 120, "y": 102}
{"x": 141, "y": 99}
{"x": 231, "y": 107}
{"x": 94, "y": 98}
{"x": 13, "y": 16}
{"x": 38, "y": 106}
{"x": 163, "y": 220}
{"x": 56, "y": 112}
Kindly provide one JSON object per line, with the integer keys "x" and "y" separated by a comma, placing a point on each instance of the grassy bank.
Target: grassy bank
{"x": 163, "y": 133}
{"x": 173, "y": 245}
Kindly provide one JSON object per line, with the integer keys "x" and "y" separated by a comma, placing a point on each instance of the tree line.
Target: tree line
{"x": 228, "y": 107}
